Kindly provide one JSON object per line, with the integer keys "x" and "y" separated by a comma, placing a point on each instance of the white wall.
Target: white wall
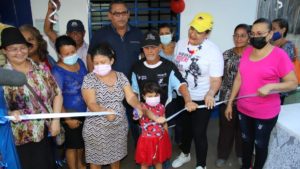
{"x": 70, "y": 9}
{"x": 227, "y": 14}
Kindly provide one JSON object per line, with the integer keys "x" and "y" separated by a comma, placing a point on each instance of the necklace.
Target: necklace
{"x": 193, "y": 51}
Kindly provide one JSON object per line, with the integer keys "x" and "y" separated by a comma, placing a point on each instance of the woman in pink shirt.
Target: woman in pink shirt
{"x": 260, "y": 70}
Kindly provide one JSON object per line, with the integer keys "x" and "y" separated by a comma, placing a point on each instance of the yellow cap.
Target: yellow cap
{"x": 3, "y": 26}
{"x": 202, "y": 22}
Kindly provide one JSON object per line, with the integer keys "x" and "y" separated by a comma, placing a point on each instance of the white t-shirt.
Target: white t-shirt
{"x": 82, "y": 52}
{"x": 197, "y": 68}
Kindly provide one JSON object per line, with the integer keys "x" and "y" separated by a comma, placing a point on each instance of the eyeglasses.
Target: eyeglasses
{"x": 118, "y": 14}
{"x": 243, "y": 36}
{"x": 258, "y": 34}
{"x": 16, "y": 50}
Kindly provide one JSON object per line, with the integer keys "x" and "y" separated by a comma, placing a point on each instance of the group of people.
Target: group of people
{"x": 108, "y": 76}
{"x": 233, "y": 129}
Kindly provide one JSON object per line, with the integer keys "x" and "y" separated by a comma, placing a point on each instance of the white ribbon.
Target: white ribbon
{"x": 279, "y": 4}
{"x": 221, "y": 102}
{"x": 58, "y": 115}
{"x": 204, "y": 106}
{"x": 86, "y": 114}
{"x": 54, "y": 13}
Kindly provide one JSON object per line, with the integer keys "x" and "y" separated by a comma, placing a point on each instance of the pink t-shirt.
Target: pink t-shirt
{"x": 255, "y": 74}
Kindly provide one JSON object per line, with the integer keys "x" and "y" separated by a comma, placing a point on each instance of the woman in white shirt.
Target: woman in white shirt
{"x": 201, "y": 63}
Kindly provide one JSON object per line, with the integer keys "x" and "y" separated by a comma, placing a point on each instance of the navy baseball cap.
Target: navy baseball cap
{"x": 151, "y": 39}
{"x": 75, "y": 25}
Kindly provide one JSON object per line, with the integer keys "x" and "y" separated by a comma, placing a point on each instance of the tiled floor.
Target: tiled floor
{"x": 212, "y": 132}
{"x": 128, "y": 162}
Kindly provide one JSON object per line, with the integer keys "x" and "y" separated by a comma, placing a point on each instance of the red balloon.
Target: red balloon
{"x": 177, "y": 6}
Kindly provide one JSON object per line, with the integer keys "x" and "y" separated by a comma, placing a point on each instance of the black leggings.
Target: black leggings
{"x": 255, "y": 132}
{"x": 194, "y": 126}
{"x": 229, "y": 134}
{"x": 37, "y": 155}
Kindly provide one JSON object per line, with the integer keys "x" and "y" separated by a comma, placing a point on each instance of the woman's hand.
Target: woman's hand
{"x": 51, "y": 7}
{"x": 191, "y": 106}
{"x": 110, "y": 117}
{"x": 209, "y": 101}
{"x": 265, "y": 90}
{"x": 228, "y": 112}
{"x": 16, "y": 114}
{"x": 55, "y": 127}
{"x": 140, "y": 112}
{"x": 160, "y": 120}
{"x": 73, "y": 123}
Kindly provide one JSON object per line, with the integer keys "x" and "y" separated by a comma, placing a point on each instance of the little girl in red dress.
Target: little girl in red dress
{"x": 154, "y": 145}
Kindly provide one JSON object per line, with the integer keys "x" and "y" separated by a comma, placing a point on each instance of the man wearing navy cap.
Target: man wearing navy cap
{"x": 154, "y": 68}
{"x": 157, "y": 69}
{"x": 75, "y": 30}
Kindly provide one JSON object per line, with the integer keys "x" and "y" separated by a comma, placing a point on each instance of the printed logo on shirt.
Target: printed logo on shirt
{"x": 161, "y": 78}
{"x": 194, "y": 71}
{"x": 135, "y": 42}
{"x": 142, "y": 77}
{"x": 182, "y": 57}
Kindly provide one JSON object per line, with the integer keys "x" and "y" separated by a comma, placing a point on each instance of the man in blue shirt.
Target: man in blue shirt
{"x": 125, "y": 40}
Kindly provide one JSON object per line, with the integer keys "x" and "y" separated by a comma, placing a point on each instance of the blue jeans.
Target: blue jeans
{"x": 255, "y": 133}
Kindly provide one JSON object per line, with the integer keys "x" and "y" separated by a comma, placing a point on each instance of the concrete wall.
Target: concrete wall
{"x": 70, "y": 9}
{"x": 227, "y": 14}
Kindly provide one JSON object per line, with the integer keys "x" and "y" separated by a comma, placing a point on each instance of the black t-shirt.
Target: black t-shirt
{"x": 165, "y": 73}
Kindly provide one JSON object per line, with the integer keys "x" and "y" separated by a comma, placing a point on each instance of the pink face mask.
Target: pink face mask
{"x": 153, "y": 101}
{"x": 102, "y": 70}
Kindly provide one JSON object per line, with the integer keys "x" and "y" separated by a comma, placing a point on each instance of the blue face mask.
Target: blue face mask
{"x": 71, "y": 60}
{"x": 166, "y": 39}
{"x": 276, "y": 36}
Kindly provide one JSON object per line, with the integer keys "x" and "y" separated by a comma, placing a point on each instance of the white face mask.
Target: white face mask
{"x": 165, "y": 39}
{"x": 102, "y": 70}
{"x": 71, "y": 60}
{"x": 153, "y": 101}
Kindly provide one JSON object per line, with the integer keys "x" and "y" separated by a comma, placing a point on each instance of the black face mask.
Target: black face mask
{"x": 258, "y": 42}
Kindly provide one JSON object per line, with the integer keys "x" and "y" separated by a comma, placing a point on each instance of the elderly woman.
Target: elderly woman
{"x": 229, "y": 131}
{"x": 260, "y": 70}
{"x": 201, "y": 63}
{"x": 31, "y": 136}
{"x": 38, "y": 52}
{"x": 104, "y": 89}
